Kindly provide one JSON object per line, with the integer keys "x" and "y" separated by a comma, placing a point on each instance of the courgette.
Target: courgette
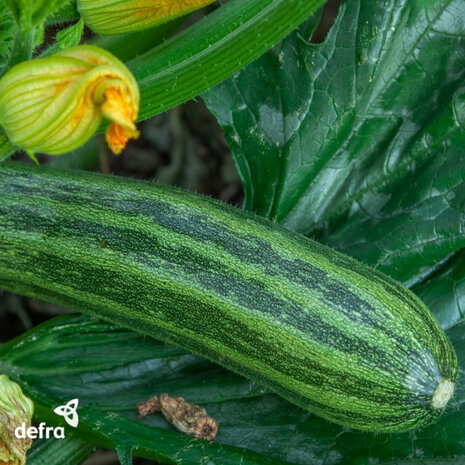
{"x": 321, "y": 329}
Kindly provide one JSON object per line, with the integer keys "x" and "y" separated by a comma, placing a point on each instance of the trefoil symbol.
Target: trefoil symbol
{"x": 69, "y": 412}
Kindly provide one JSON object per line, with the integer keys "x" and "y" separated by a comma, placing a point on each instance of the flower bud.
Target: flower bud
{"x": 118, "y": 17}
{"x": 55, "y": 104}
{"x": 15, "y": 409}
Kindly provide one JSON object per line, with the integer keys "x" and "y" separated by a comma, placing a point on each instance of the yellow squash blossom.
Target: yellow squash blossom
{"x": 54, "y": 105}
{"x": 15, "y": 411}
{"x": 121, "y": 16}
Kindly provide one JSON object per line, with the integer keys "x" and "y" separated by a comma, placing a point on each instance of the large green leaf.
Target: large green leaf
{"x": 413, "y": 224}
{"x": 360, "y": 133}
{"x": 444, "y": 290}
{"x": 68, "y": 451}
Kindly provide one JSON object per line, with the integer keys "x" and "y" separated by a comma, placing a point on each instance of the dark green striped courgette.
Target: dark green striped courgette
{"x": 326, "y": 332}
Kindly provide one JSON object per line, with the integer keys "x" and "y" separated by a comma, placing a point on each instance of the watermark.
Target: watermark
{"x": 67, "y": 411}
{"x": 40, "y": 432}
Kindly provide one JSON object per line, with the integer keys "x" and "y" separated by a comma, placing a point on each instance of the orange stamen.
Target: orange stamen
{"x": 118, "y": 109}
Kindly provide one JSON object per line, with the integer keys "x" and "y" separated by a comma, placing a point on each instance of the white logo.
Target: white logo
{"x": 39, "y": 432}
{"x": 69, "y": 412}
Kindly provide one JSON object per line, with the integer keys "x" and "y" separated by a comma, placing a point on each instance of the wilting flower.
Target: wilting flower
{"x": 55, "y": 104}
{"x": 15, "y": 410}
{"x": 117, "y": 17}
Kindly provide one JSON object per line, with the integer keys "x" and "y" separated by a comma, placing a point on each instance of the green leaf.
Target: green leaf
{"x": 213, "y": 49}
{"x": 71, "y": 35}
{"x": 444, "y": 290}
{"x": 14, "y": 7}
{"x": 69, "y": 451}
{"x": 413, "y": 223}
{"x": 67, "y": 12}
{"x": 30, "y": 13}
{"x": 68, "y": 37}
{"x": 42, "y": 9}
{"x": 7, "y": 34}
{"x": 354, "y": 141}
{"x": 39, "y": 35}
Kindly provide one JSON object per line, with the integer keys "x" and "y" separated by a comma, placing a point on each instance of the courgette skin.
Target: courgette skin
{"x": 323, "y": 330}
